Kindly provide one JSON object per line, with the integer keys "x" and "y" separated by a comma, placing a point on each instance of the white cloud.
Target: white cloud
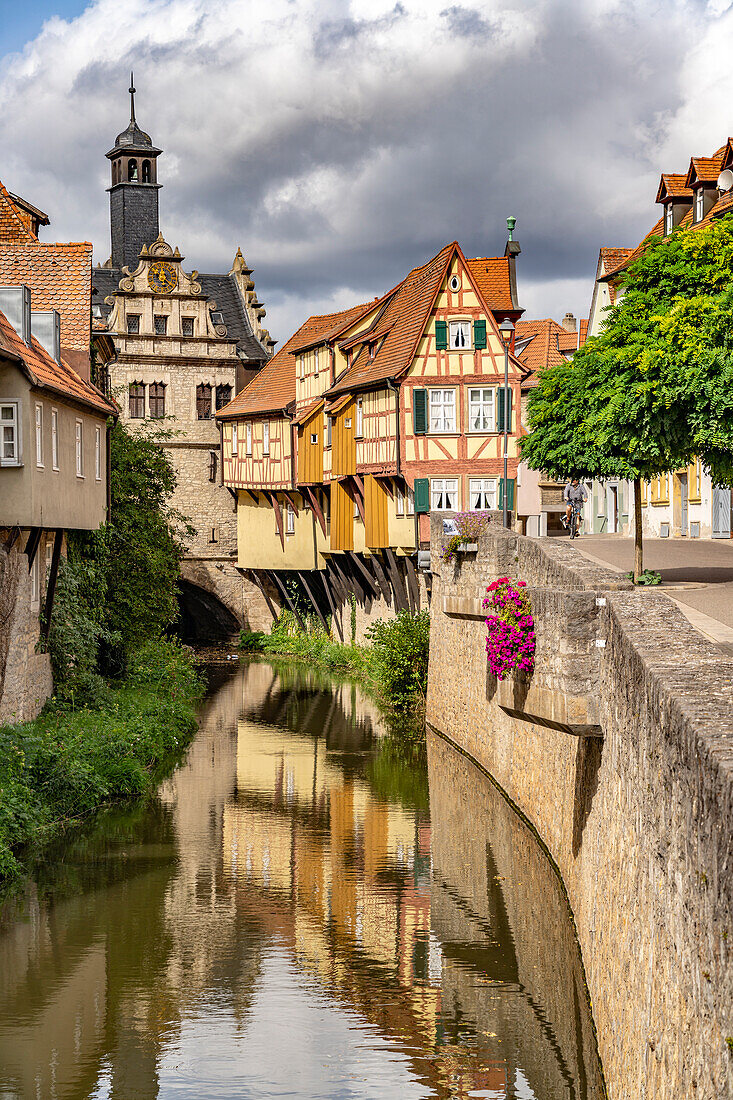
{"x": 340, "y": 143}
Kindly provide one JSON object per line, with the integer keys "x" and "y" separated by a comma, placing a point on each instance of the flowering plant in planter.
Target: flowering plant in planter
{"x": 510, "y": 637}
{"x": 469, "y": 526}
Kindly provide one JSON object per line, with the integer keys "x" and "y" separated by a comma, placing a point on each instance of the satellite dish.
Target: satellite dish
{"x": 725, "y": 180}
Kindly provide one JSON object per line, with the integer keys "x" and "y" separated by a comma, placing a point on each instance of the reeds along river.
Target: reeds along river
{"x": 311, "y": 908}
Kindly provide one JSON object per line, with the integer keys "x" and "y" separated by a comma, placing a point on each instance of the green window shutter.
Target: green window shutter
{"x": 509, "y": 495}
{"x": 479, "y": 334}
{"x": 422, "y": 495}
{"x": 441, "y": 335}
{"x": 419, "y": 411}
{"x": 500, "y": 409}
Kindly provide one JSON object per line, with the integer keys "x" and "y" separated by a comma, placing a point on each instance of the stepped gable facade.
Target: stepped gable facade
{"x": 186, "y": 343}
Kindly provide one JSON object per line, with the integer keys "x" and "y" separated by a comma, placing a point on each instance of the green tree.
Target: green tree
{"x": 118, "y": 587}
{"x": 654, "y": 390}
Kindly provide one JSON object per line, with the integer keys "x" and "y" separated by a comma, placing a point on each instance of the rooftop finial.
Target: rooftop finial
{"x": 510, "y": 223}
{"x": 132, "y": 98}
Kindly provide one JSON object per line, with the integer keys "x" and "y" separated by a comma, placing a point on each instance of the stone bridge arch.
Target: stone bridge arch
{"x": 216, "y": 601}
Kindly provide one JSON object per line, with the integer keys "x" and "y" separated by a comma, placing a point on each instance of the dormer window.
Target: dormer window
{"x": 699, "y": 204}
{"x": 668, "y": 219}
{"x": 460, "y": 334}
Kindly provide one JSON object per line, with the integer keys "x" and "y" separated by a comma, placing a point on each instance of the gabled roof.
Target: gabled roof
{"x": 13, "y": 227}
{"x": 545, "y": 343}
{"x": 314, "y": 332}
{"x": 704, "y": 169}
{"x": 46, "y": 373}
{"x": 612, "y": 257}
{"x": 274, "y": 387}
{"x": 673, "y": 186}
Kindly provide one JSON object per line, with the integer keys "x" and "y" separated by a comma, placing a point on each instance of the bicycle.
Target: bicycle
{"x": 576, "y": 517}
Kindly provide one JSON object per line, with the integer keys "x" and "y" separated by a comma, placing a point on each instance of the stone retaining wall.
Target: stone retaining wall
{"x": 637, "y": 818}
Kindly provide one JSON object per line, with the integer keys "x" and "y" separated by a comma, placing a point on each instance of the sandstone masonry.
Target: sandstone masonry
{"x": 619, "y": 752}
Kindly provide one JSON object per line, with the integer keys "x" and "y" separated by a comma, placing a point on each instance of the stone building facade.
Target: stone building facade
{"x": 185, "y": 344}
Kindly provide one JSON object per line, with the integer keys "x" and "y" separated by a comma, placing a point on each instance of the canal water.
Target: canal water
{"x": 311, "y": 907}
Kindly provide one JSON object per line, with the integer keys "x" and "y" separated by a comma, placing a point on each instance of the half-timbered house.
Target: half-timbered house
{"x": 368, "y": 420}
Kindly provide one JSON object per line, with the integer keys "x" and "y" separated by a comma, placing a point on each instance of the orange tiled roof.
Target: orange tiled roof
{"x": 273, "y": 389}
{"x": 14, "y": 226}
{"x": 583, "y": 336}
{"x": 542, "y": 350}
{"x": 705, "y": 169}
{"x": 673, "y": 184}
{"x": 491, "y": 274}
{"x": 46, "y": 373}
{"x": 59, "y": 277}
{"x": 320, "y": 329}
{"x": 571, "y": 341}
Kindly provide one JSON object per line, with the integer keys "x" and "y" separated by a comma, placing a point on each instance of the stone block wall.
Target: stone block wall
{"x": 636, "y": 819}
{"x": 25, "y": 675}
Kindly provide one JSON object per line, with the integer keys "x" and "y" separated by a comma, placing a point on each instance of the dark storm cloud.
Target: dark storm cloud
{"x": 342, "y": 143}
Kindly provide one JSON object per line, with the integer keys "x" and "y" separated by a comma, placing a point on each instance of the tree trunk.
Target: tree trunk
{"x": 638, "y": 544}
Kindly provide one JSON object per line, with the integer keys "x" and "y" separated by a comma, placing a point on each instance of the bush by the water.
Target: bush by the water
{"x": 395, "y": 662}
{"x": 74, "y": 759}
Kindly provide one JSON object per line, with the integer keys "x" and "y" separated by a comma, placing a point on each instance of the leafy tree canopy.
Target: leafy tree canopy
{"x": 654, "y": 390}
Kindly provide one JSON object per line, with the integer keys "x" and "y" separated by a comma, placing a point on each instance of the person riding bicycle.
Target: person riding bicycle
{"x": 573, "y": 494}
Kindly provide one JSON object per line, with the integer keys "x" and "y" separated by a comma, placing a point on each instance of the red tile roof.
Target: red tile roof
{"x": 44, "y": 372}
{"x": 705, "y": 169}
{"x": 14, "y": 223}
{"x": 491, "y": 274}
{"x": 59, "y": 277}
{"x": 674, "y": 185}
{"x": 273, "y": 389}
{"x": 547, "y": 342}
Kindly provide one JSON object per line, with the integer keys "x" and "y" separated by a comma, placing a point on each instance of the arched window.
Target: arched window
{"x": 146, "y": 171}
{"x": 132, "y": 170}
{"x": 223, "y": 396}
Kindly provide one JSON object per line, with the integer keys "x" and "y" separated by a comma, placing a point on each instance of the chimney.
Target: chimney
{"x": 569, "y": 323}
{"x": 46, "y": 327}
{"x": 15, "y": 303}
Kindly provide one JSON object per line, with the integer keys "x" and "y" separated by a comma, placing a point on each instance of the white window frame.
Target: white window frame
{"x": 315, "y": 360}
{"x": 97, "y": 453}
{"x": 54, "y": 439}
{"x": 235, "y": 440}
{"x": 477, "y": 407}
{"x": 410, "y": 501}
{"x": 399, "y": 501}
{"x": 248, "y": 431}
{"x": 265, "y": 437}
{"x": 13, "y": 423}
{"x": 440, "y": 403}
{"x": 35, "y": 583}
{"x": 699, "y": 204}
{"x": 359, "y": 417}
{"x": 302, "y": 368}
{"x": 487, "y": 487}
{"x": 289, "y": 519}
{"x": 459, "y": 326}
{"x": 668, "y": 219}
{"x": 39, "y": 435}
{"x": 440, "y": 494}
{"x": 329, "y": 431}
{"x": 79, "y": 447}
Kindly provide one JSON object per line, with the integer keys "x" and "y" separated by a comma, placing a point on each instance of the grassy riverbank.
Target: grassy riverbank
{"x": 394, "y": 664}
{"x": 81, "y": 755}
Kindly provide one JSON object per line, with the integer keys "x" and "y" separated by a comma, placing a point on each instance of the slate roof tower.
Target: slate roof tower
{"x": 133, "y": 194}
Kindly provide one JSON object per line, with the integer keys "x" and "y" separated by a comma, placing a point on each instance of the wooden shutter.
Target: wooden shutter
{"x": 419, "y": 411}
{"x": 500, "y": 409}
{"x": 509, "y": 495}
{"x": 422, "y": 495}
{"x": 441, "y": 335}
{"x": 479, "y": 334}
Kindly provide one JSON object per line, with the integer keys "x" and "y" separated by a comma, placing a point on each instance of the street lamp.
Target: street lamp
{"x": 506, "y": 329}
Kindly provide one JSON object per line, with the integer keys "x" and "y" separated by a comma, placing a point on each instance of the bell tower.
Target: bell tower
{"x": 133, "y": 194}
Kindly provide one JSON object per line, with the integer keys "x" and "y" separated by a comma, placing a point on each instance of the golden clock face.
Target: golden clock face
{"x": 162, "y": 277}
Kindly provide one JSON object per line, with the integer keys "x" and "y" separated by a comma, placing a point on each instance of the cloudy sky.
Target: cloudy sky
{"x": 341, "y": 143}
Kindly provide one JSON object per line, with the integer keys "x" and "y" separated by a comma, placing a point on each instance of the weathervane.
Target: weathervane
{"x": 131, "y": 90}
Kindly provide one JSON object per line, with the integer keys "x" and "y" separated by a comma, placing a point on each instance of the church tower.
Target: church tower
{"x": 133, "y": 196}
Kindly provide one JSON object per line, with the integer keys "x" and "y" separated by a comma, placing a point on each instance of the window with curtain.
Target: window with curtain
{"x": 481, "y": 410}
{"x": 444, "y": 494}
{"x": 460, "y": 334}
{"x": 442, "y": 410}
{"x": 482, "y": 493}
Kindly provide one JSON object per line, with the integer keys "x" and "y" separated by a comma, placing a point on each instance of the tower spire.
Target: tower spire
{"x": 131, "y": 90}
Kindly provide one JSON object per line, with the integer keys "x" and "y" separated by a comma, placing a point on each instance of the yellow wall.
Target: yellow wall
{"x": 258, "y": 542}
{"x": 375, "y": 508}
{"x": 343, "y": 456}
{"x": 310, "y": 454}
{"x": 258, "y": 469}
{"x": 342, "y": 518}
